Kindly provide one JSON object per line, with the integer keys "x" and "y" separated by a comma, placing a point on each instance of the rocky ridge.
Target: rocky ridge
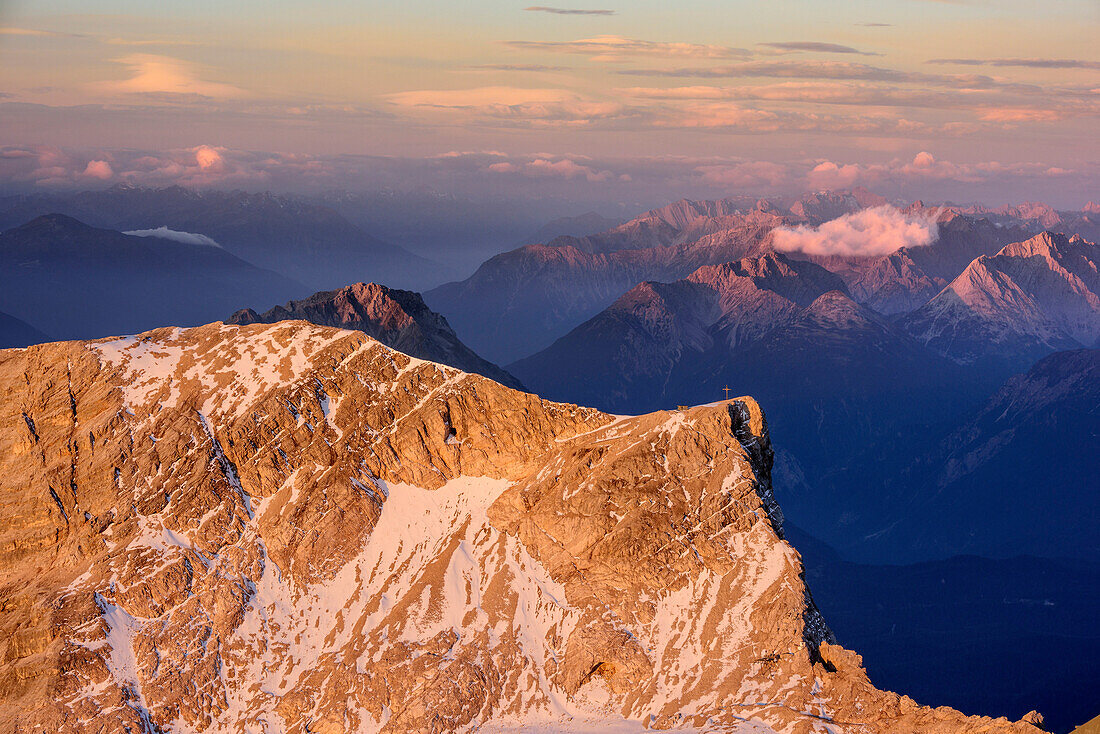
{"x": 295, "y": 528}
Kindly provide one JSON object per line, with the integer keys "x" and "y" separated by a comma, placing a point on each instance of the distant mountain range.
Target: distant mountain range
{"x": 519, "y": 302}
{"x": 399, "y": 319}
{"x": 306, "y": 241}
{"x": 71, "y": 280}
{"x": 907, "y": 278}
{"x": 637, "y": 354}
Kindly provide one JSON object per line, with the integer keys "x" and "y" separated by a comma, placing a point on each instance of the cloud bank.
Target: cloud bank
{"x": 877, "y": 231}
{"x": 618, "y": 48}
{"x": 645, "y": 181}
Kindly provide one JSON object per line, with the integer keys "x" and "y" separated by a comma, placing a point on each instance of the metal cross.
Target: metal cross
{"x": 727, "y": 389}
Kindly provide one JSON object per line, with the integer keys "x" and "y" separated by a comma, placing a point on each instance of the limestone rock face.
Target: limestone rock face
{"x": 294, "y": 528}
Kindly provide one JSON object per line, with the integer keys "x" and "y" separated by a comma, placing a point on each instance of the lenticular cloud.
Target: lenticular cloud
{"x": 867, "y": 233}
{"x": 189, "y": 238}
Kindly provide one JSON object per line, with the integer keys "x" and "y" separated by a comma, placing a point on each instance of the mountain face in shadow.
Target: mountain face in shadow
{"x": 72, "y": 280}
{"x": 983, "y": 628}
{"x": 1017, "y": 475}
{"x": 18, "y": 333}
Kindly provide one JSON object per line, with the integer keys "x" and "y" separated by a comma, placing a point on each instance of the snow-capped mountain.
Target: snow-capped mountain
{"x": 295, "y": 528}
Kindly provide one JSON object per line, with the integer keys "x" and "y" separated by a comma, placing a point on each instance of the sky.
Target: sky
{"x": 993, "y": 100}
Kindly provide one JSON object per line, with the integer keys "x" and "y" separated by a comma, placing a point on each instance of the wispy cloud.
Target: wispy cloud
{"x": 568, "y": 11}
{"x": 995, "y": 104}
{"x": 616, "y": 48}
{"x": 1028, "y": 63}
{"x": 110, "y": 40}
{"x": 151, "y": 42}
{"x": 821, "y": 70}
{"x": 518, "y": 67}
{"x": 876, "y": 25}
{"x": 10, "y": 31}
{"x": 479, "y": 97}
{"x": 816, "y": 47}
{"x": 513, "y": 106}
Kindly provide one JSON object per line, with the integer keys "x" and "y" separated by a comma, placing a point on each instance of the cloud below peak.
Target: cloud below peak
{"x": 880, "y": 230}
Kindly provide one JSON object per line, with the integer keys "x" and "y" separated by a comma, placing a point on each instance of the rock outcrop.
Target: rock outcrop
{"x": 294, "y": 528}
{"x": 397, "y": 318}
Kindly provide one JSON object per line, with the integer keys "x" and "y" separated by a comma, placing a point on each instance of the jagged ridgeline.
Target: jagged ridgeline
{"x": 294, "y": 528}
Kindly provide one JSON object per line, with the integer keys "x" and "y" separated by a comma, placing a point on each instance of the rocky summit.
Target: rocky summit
{"x": 397, "y": 318}
{"x": 294, "y": 528}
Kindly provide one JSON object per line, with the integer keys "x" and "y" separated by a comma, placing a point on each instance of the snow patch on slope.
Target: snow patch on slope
{"x": 231, "y": 371}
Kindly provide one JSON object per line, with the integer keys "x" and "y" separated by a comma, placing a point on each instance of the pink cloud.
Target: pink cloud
{"x": 153, "y": 74}
{"x": 99, "y": 169}
{"x": 209, "y": 159}
{"x": 877, "y": 231}
{"x": 562, "y": 168}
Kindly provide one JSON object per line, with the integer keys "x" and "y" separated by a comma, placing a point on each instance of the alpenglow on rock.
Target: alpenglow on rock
{"x": 295, "y": 528}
